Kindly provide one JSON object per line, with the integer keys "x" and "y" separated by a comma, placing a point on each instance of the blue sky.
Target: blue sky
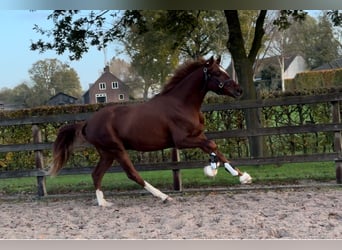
{"x": 16, "y": 57}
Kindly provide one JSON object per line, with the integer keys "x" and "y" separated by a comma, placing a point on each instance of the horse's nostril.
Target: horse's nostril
{"x": 239, "y": 92}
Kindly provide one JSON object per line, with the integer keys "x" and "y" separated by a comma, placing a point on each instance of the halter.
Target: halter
{"x": 207, "y": 76}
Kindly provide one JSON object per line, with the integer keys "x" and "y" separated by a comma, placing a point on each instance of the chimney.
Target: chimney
{"x": 106, "y": 68}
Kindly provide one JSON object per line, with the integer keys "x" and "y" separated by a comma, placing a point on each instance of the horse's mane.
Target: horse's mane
{"x": 180, "y": 73}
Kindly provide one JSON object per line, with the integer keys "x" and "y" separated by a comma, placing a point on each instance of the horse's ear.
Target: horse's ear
{"x": 210, "y": 61}
{"x": 218, "y": 60}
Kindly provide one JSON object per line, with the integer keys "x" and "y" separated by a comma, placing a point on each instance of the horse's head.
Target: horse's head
{"x": 218, "y": 80}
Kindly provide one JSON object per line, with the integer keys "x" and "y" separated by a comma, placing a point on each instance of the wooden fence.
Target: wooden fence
{"x": 174, "y": 164}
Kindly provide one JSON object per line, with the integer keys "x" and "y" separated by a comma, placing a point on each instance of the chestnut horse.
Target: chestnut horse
{"x": 171, "y": 119}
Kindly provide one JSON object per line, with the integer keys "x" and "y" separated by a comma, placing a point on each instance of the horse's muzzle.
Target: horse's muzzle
{"x": 238, "y": 93}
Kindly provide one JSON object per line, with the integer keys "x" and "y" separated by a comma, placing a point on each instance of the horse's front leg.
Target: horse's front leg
{"x": 215, "y": 155}
{"x": 245, "y": 178}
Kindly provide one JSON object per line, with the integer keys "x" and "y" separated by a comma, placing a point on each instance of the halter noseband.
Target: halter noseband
{"x": 206, "y": 76}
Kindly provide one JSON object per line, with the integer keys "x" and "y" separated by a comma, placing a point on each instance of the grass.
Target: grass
{"x": 270, "y": 174}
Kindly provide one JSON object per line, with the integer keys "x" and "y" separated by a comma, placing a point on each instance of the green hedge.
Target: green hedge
{"x": 315, "y": 80}
{"x": 215, "y": 121}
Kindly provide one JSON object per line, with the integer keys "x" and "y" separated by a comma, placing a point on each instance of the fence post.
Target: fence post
{"x": 177, "y": 179}
{"x": 39, "y": 160}
{"x": 337, "y": 140}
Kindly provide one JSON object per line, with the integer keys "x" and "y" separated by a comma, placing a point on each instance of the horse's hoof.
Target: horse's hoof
{"x": 105, "y": 204}
{"x": 209, "y": 171}
{"x": 245, "y": 178}
{"x": 168, "y": 199}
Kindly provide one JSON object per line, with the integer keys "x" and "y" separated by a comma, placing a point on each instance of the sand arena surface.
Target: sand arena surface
{"x": 311, "y": 213}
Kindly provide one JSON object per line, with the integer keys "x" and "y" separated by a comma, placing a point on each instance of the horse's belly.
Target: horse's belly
{"x": 147, "y": 140}
{"x": 136, "y": 127}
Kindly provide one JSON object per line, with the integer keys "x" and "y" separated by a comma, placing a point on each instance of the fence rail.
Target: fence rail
{"x": 334, "y": 126}
{"x": 179, "y": 165}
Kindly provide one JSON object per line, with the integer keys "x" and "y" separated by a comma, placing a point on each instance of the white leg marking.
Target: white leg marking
{"x": 231, "y": 169}
{"x": 156, "y": 192}
{"x": 100, "y": 199}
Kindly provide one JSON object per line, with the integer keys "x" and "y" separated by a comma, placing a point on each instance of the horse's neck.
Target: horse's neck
{"x": 191, "y": 90}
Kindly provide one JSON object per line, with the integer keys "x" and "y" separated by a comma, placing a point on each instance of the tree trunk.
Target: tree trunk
{"x": 244, "y": 71}
{"x": 243, "y": 64}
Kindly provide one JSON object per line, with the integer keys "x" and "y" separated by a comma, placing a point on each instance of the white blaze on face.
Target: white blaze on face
{"x": 223, "y": 71}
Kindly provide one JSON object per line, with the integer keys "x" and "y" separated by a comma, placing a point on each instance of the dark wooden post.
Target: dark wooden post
{"x": 338, "y": 171}
{"x": 337, "y": 141}
{"x": 177, "y": 179}
{"x": 39, "y": 160}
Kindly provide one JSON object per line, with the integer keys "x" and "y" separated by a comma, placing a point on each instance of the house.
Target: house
{"x": 61, "y": 99}
{"x": 268, "y": 70}
{"x": 107, "y": 88}
{"x": 335, "y": 64}
{"x": 10, "y": 106}
{"x": 292, "y": 66}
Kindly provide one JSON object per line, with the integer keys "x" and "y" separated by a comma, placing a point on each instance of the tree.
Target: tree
{"x": 121, "y": 69}
{"x": 75, "y": 33}
{"x": 17, "y": 96}
{"x": 286, "y": 43}
{"x": 5, "y": 94}
{"x": 245, "y": 59}
{"x": 153, "y": 39}
{"x": 20, "y": 94}
{"x": 175, "y": 35}
{"x": 205, "y": 37}
{"x": 326, "y": 47}
{"x": 49, "y": 77}
{"x": 243, "y": 56}
{"x": 151, "y": 59}
{"x": 312, "y": 39}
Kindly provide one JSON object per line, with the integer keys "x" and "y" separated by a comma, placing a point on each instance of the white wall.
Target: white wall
{"x": 298, "y": 65}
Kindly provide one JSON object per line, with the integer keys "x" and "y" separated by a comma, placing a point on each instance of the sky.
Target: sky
{"x": 16, "y": 58}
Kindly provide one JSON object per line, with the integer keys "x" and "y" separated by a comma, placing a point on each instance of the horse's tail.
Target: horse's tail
{"x": 63, "y": 146}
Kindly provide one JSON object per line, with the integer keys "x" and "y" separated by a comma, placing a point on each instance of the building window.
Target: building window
{"x": 101, "y": 98}
{"x": 102, "y": 85}
{"x": 115, "y": 85}
{"x": 121, "y": 97}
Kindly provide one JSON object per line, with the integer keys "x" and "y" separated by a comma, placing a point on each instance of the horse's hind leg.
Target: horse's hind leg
{"x": 106, "y": 160}
{"x": 133, "y": 174}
